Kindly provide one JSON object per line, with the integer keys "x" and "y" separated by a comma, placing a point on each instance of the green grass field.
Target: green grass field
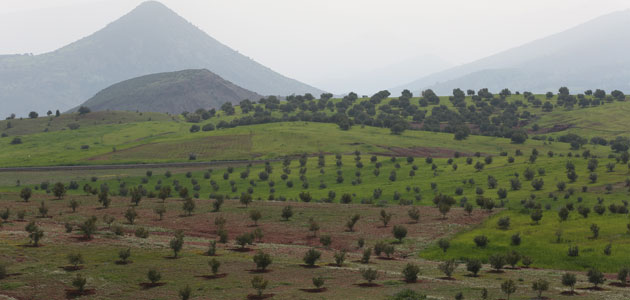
{"x": 105, "y": 138}
{"x": 128, "y": 137}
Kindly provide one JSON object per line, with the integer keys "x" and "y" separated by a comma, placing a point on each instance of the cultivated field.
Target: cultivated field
{"x": 318, "y": 210}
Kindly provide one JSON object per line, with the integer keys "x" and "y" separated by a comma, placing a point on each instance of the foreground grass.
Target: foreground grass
{"x": 41, "y": 267}
{"x": 540, "y": 243}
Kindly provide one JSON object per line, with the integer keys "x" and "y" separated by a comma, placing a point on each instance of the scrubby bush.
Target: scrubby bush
{"x": 410, "y": 272}
{"x": 311, "y": 256}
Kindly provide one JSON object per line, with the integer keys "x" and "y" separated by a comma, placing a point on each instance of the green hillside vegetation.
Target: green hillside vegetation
{"x": 272, "y": 128}
{"x": 490, "y": 184}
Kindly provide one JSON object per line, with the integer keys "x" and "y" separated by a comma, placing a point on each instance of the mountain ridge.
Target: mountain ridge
{"x": 149, "y": 39}
{"x": 562, "y": 56}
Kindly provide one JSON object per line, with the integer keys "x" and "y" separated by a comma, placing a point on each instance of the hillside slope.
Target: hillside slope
{"x": 172, "y": 92}
{"x": 591, "y": 55}
{"x": 150, "y": 39}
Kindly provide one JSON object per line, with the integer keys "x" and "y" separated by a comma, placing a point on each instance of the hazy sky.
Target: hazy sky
{"x": 311, "y": 40}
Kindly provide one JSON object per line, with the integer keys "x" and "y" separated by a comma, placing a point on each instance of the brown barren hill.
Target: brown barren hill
{"x": 171, "y": 92}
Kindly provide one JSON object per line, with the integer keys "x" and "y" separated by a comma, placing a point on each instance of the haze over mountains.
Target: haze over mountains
{"x": 153, "y": 39}
{"x": 150, "y": 39}
{"x": 171, "y": 92}
{"x": 374, "y": 79}
{"x": 591, "y": 55}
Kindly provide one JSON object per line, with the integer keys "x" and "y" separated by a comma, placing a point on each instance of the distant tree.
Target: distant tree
{"x": 313, "y": 226}
{"x": 369, "y": 274}
{"x": 563, "y": 213}
{"x": 311, "y": 256}
{"x": 131, "y": 215}
{"x": 410, "y": 272}
{"x": 34, "y": 233}
{"x": 444, "y": 244}
{"x": 339, "y": 257}
{"x": 188, "y": 206}
{"x": 512, "y": 258}
{"x": 154, "y": 276}
{"x": 497, "y": 261}
{"x": 88, "y": 227}
{"x": 622, "y": 275}
{"x": 79, "y": 282}
{"x": 185, "y": 293}
{"x": 177, "y": 243}
{"x": 255, "y": 215}
{"x": 262, "y": 260}
{"x": 595, "y": 230}
{"x": 246, "y": 199}
{"x": 448, "y": 267}
{"x": 481, "y": 241}
{"x": 385, "y": 217}
{"x": 538, "y": 184}
{"x": 365, "y": 258}
{"x": 124, "y": 255}
{"x": 75, "y": 259}
{"x": 259, "y": 284}
{"x": 16, "y": 141}
{"x": 136, "y": 195}
{"x": 536, "y": 216}
{"x": 164, "y": 193}
{"x": 595, "y": 277}
{"x": 244, "y": 240}
{"x": 287, "y": 212}
{"x": 33, "y": 115}
{"x": 59, "y": 190}
{"x": 400, "y": 232}
{"x": 414, "y": 214}
{"x": 214, "y": 266}
{"x": 160, "y": 211}
{"x": 473, "y": 266}
{"x": 26, "y": 194}
{"x": 84, "y": 110}
{"x": 599, "y": 94}
{"x": 352, "y": 222}
{"x": 569, "y": 280}
{"x": 228, "y": 108}
{"x": 508, "y": 287}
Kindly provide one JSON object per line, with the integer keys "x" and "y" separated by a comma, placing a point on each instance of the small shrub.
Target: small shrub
{"x": 595, "y": 277}
{"x": 318, "y": 282}
{"x": 259, "y": 284}
{"x": 262, "y": 260}
{"x": 311, "y": 257}
{"x": 365, "y": 257}
{"x": 154, "y": 276}
{"x": 369, "y": 274}
{"x": 400, "y": 232}
{"x": 142, "y": 233}
{"x": 481, "y": 241}
{"x": 79, "y": 282}
{"x": 497, "y": 261}
{"x": 473, "y": 266}
{"x": 410, "y": 272}
{"x": 340, "y": 257}
{"x": 124, "y": 255}
{"x": 448, "y": 267}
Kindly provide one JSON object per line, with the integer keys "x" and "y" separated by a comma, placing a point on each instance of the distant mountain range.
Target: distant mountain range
{"x": 172, "y": 92}
{"x": 150, "y": 39}
{"x": 372, "y": 80}
{"x": 589, "y": 56}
